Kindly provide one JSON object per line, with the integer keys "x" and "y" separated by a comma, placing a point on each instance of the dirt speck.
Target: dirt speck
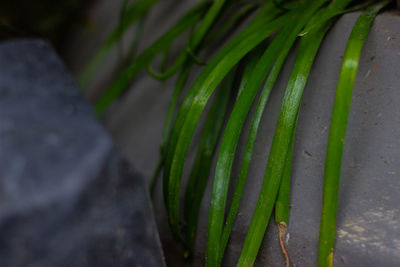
{"x": 307, "y": 154}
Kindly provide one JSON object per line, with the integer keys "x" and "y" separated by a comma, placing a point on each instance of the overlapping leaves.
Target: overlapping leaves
{"x": 282, "y": 22}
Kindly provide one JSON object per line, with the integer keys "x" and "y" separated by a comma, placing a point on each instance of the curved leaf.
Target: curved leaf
{"x": 144, "y": 59}
{"x": 308, "y": 48}
{"x": 131, "y": 14}
{"x": 337, "y": 132}
{"x": 202, "y": 165}
{"x": 197, "y": 98}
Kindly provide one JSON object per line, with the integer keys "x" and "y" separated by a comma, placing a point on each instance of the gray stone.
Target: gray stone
{"x": 66, "y": 197}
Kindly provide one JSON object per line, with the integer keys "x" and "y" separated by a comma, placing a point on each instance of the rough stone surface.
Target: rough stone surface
{"x": 66, "y": 197}
{"x": 368, "y": 225}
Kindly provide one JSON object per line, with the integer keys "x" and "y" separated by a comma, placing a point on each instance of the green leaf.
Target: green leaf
{"x": 205, "y": 152}
{"x": 337, "y": 132}
{"x": 194, "y": 44}
{"x": 197, "y": 98}
{"x": 173, "y": 104}
{"x": 282, "y": 207}
{"x": 296, "y": 19}
{"x": 283, "y": 199}
{"x": 279, "y": 47}
{"x": 306, "y": 53}
{"x": 286, "y": 46}
{"x": 329, "y": 13}
{"x": 251, "y": 62}
{"x": 194, "y": 41}
{"x": 131, "y": 15}
{"x": 206, "y": 23}
{"x": 144, "y": 59}
{"x": 254, "y": 57}
{"x": 232, "y": 21}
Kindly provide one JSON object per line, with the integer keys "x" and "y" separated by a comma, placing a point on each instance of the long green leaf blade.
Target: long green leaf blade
{"x": 284, "y": 44}
{"x": 282, "y": 205}
{"x": 173, "y": 104}
{"x": 206, "y": 23}
{"x": 194, "y": 42}
{"x": 197, "y": 98}
{"x": 278, "y": 154}
{"x": 306, "y": 53}
{"x": 281, "y": 44}
{"x": 132, "y": 14}
{"x": 202, "y": 165}
{"x": 282, "y": 202}
{"x": 337, "y": 132}
{"x": 232, "y": 21}
{"x": 144, "y": 59}
{"x": 193, "y": 45}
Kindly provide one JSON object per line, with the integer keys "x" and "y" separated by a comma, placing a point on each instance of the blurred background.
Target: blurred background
{"x": 48, "y": 19}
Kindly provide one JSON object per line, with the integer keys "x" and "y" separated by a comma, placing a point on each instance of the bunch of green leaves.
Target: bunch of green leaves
{"x": 131, "y": 14}
{"x": 245, "y": 67}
